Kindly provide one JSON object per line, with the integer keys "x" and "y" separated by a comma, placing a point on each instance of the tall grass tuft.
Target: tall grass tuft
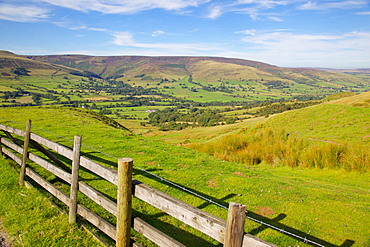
{"x": 277, "y": 147}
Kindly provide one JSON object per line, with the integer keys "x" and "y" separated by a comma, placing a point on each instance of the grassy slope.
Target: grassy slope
{"x": 361, "y": 100}
{"x": 335, "y": 122}
{"x": 31, "y": 220}
{"x": 332, "y": 205}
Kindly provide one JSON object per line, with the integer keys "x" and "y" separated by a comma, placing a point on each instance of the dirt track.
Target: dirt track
{"x": 4, "y": 241}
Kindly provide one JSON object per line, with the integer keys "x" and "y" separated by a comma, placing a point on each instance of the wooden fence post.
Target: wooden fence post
{"x": 124, "y": 202}
{"x": 1, "y": 149}
{"x": 235, "y": 225}
{"x": 74, "y": 179}
{"x": 25, "y": 153}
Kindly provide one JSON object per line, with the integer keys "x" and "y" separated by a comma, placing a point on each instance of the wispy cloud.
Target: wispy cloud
{"x": 333, "y": 5}
{"x": 123, "y": 39}
{"x": 253, "y": 8}
{"x": 274, "y": 18}
{"x": 314, "y": 48}
{"x": 251, "y": 32}
{"x": 215, "y": 12}
{"x": 363, "y": 13}
{"x": 126, "y": 39}
{"x": 125, "y": 6}
{"x": 23, "y": 13}
{"x": 158, "y": 33}
{"x": 258, "y": 9}
{"x": 72, "y": 25}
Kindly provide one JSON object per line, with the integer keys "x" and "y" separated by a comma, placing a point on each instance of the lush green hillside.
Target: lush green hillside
{"x": 340, "y": 121}
{"x": 301, "y": 200}
{"x": 329, "y": 135}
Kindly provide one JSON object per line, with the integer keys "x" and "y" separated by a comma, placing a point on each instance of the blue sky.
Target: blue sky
{"x": 287, "y": 33}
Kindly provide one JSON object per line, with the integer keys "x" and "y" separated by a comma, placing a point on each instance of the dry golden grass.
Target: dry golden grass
{"x": 356, "y": 100}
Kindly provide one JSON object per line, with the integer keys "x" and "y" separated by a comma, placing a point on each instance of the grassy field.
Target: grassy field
{"x": 327, "y": 122}
{"x": 31, "y": 220}
{"x": 328, "y": 206}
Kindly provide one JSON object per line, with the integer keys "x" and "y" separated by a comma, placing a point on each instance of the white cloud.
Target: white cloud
{"x": 157, "y": 33}
{"x": 274, "y": 18}
{"x": 290, "y": 49}
{"x": 253, "y": 8}
{"x": 215, "y": 12}
{"x": 248, "y": 32}
{"x": 22, "y": 13}
{"x": 126, "y": 39}
{"x": 363, "y": 13}
{"x": 333, "y": 5}
{"x": 77, "y": 26}
{"x": 256, "y": 9}
{"x": 125, "y": 6}
{"x": 123, "y": 39}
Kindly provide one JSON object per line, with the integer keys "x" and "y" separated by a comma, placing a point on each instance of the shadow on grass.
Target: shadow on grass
{"x": 171, "y": 230}
{"x": 267, "y": 222}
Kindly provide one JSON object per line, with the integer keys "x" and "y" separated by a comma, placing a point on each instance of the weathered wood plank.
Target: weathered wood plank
{"x": 200, "y": 220}
{"x": 50, "y": 167}
{"x": 107, "y": 173}
{"x": 97, "y": 221}
{"x": 13, "y": 130}
{"x": 12, "y": 155}
{"x": 138, "y": 224}
{"x": 11, "y": 145}
{"x": 66, "y": 152}
{"x": 153, "y": 234}
{"x": 40, "y": 161}
{"x": 50, "y": 156}
{"x": 98, "y": 198}
{"x": 252, "y": 241}
{"x": 15, "y": 141}
{"x": 48, "y": 186}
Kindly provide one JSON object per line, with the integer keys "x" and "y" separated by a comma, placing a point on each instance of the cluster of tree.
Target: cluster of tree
{"x": 36, "y": 97}
{"x": 86, "y": 73}
{"x": 282, "y": 107}
{"x": 179, "y": 118}
{"x": 14, "y": 94}
{"x": 21, "y": 71}
{"x": 276, "y": 84}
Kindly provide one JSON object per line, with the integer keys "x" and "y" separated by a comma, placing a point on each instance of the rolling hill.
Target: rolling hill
{"x": 199, "y": 79}
{"x": 201, "y": 69}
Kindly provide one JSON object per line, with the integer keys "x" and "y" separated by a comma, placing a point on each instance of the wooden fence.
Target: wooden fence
{"x": 230, "y": 232}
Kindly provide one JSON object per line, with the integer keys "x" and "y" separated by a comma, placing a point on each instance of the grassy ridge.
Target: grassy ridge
{"x": 333, "y": 123}
{"x": 305, "y": 200}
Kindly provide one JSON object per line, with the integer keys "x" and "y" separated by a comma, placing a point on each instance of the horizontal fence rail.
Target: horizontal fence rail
{"x": 204, "y": 222}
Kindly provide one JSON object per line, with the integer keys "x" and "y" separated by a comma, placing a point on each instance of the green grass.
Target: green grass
{"x": 31, "y": 220}
{"x": 332, "y": 205}
{"x": 277, "y": 147}
{"x": 333, "y": 123}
